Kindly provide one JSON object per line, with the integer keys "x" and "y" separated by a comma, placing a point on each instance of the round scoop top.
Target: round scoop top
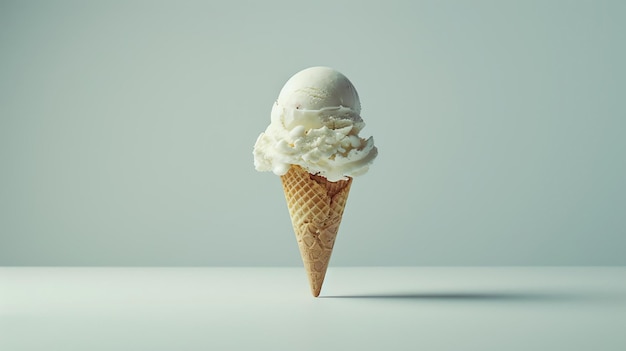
{"x": 317, "y": 88}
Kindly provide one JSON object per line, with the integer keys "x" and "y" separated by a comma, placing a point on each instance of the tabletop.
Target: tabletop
{"x": 271, "y": 308}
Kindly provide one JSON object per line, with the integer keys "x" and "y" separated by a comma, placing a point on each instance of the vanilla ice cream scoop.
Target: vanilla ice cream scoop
{"x": 315, "y": 123}
{"x": 316, "y": 88}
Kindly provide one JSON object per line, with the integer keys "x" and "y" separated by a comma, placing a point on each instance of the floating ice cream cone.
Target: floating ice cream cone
{"x": 313, "y": 144}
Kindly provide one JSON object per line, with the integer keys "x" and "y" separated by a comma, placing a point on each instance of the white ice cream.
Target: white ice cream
{"x": 315, "y": 123}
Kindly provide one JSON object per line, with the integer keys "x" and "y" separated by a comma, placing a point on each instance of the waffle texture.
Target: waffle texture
{"x": 315, "y": 206}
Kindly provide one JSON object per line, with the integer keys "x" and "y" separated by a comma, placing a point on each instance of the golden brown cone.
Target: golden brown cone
{"x": 315, "y": 206}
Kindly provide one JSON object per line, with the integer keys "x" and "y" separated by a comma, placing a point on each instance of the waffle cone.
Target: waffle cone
{"x": 315, "y": 206}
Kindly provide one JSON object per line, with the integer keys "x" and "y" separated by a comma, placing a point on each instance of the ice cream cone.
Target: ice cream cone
{"x": 313, "y": 143}
{"x": 315, "y": 206}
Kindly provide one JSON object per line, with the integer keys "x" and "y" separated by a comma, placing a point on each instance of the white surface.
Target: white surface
{"x": 272, "y": 309}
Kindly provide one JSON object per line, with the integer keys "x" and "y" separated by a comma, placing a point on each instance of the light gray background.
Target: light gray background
{"x": 126, "y": 130}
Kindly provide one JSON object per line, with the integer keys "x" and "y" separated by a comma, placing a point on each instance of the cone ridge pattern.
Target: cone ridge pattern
{"x": 316, "y": 206}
